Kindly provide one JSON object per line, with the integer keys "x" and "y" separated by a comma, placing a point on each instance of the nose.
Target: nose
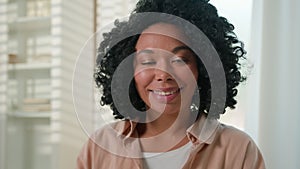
{"x": 164, "y": 69}
{"x": 163, "y": 75}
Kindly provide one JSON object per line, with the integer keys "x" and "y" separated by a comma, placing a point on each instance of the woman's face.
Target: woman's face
{"x": 165, "y": 68}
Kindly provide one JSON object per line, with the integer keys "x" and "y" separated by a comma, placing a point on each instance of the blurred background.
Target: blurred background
{"x": 40, "y": 41}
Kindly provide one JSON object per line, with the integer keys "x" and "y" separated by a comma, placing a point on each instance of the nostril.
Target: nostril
{"x": 163, "y": 76}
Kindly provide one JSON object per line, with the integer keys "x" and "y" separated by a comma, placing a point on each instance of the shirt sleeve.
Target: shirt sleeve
{"x": 84, "y": 158}
{"x": 253, "y": 157}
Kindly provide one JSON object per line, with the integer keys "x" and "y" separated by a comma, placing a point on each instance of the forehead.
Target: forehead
{"x": 161, "y": 35}
{"x": 165, "y": 29}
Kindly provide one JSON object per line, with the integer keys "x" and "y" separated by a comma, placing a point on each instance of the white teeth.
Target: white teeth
{"x": 165, "y": 93}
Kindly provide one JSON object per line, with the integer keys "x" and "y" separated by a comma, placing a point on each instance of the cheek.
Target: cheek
{"x": 142, "y": 78}
{"x": 188, "y": 75}
{"x": 195, "y": 74}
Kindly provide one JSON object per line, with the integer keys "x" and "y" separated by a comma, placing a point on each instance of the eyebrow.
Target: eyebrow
{"x": 175, "y": 50}
{"x": 178, "y": 48}
{"x": 148, "y": 51}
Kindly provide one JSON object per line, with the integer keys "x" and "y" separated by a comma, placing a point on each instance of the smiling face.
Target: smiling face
{"x": 165, "y": 68}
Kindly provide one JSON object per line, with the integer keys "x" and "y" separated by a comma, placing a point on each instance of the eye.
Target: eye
{"x": 145, "y": 59}
{"x": 179, "y": 60}
{"x": 148, "y": 62}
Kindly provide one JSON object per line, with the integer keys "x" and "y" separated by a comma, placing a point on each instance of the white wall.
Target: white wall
{"x": 271, "y": 97}
{"x": 239, "y": 14}
{"x": 280, "y": 84}
{"x": 3, "y": 79}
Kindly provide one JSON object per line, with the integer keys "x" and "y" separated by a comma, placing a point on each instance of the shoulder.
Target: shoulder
{"x": 117, "y": 129}
{"x": 240, "y": 146}
{"x": 109, "y": 134}
{"x": 115, "y": 138}
{"x": 103, "y": 141}
{"x": 233, "y": 134}
{"x": 235, "y": 140}
{"x": 104, "y": 136}
{"x": 105, "y": 147}
{"x": 114, "y": 128}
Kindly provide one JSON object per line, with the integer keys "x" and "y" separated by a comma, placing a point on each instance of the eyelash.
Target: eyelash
{"x": 178, "y": 61}
{"x": 148, "y": 62}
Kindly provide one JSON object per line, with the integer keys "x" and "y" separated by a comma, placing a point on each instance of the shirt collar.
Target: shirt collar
{"x": 202, "y": 131}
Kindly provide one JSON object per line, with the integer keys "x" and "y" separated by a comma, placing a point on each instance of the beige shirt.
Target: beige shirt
{"x": 215, "y": 146}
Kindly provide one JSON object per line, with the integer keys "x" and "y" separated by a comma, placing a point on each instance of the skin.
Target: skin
{"x": 165, "y": 70}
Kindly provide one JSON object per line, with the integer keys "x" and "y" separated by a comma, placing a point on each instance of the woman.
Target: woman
{"x": 171, "y": 123}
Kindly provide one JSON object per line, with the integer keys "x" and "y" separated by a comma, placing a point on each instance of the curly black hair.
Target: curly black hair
{"x": 198, "y": 12}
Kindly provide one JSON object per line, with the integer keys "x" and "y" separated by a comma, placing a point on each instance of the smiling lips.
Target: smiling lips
{"x": 165, "y": 95}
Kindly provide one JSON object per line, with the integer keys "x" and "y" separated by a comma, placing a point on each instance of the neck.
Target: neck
{"x": 169, "y": 130}
{"x": 174, "y": 122}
